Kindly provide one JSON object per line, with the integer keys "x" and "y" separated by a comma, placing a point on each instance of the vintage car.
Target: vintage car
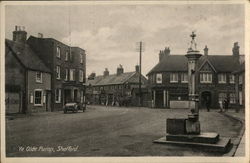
{"x": 74, "y": 107}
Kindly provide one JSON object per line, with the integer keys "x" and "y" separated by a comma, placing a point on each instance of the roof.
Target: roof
{"x": 111, "y": 79}
{"x": 240, "y": 69}
{"x": 26, "y": 56}
{"x": 221, "y": 63}
{"x": 171, "y": 63}
{"x": 52, "y": 40}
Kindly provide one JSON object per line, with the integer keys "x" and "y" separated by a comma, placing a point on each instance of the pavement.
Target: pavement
{"x": 108, "y": 131}
{"x": 240, "y": 116}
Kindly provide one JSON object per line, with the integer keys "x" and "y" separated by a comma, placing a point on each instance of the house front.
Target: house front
{"x": 168, "y": 80}
{"x": 27, "y": 79}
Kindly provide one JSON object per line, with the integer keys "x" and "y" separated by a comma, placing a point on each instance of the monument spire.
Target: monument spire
{"x": 193, "y": 43}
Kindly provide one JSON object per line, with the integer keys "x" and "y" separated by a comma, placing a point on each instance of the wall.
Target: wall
{"x": 14, "y": 80}
{"x": 32, "y": 85}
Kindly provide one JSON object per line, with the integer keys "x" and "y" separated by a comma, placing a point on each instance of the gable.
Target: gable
{"x": 135, "y": 79}
{"x": 207, "y": 67}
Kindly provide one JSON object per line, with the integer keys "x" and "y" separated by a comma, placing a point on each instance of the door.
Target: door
{"x": 159, "y": 99}
{"x": 206, "y": 99}
{"x": 75, "y": 95}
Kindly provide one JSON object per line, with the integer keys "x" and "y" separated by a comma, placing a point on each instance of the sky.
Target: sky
{"x": 110, "y": 33}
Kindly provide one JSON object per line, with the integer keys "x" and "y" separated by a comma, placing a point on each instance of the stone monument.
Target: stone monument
{"x": 187, "y": 131}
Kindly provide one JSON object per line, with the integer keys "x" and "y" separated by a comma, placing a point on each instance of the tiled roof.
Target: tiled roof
{"x": 221, "y": 63}
{"x": 171, "y": 63}
{"x": 113, "y": 79}
{"x": 26, "y": 56}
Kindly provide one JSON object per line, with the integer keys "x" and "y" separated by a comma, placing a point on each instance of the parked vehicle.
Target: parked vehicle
{"x": 74, "y": 107}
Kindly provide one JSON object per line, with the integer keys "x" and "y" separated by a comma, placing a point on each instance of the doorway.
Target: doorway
{"x": 206, "y": 99}
{"x": 67, "y": 96}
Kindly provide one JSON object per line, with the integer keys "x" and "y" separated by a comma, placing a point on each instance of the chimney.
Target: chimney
{"x": 163, "y": 53}
{"x": 119, "y": 70}
{"x": 19, "y": 35}
{"x": 236, "y": 49}
{"x": 40, "y": 35}
{"x": 106, "y": 72}
{"x": 205, "y": 50}
{"x": 137, "y": 68}
{"x": 91, "y": 76}
{"x": 167, "y": 51}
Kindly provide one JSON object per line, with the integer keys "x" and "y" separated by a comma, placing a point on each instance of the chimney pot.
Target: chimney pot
{"x": 137, "y": 68}
{"x": 40, "y": 35}
{"x": 206, "y": 50}
{"x": 106, "y": 72}
{"x": 119, "y": 70}
{"x": 19, "y": 35}
{"x": 236, "y": 49}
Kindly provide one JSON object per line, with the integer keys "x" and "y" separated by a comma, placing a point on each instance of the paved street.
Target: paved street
{"x": 108, "y": 131}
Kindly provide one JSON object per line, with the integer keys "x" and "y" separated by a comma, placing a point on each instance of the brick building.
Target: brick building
{"x": 116, "y": 89}
{"x": 168, "y": 80}
{"x": 27, "y": 79}
{"x": 240, "y": 85}
{"x": 68, "y": 69}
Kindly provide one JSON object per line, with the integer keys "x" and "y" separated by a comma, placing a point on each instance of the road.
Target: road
{"x": 107, "y": 131}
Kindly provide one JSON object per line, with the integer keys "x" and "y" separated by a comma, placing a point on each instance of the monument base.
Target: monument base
{"x": 207, "y": 137}
{"x": 204, "y": 141}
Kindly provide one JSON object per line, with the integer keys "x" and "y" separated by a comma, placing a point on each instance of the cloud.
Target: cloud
{"x": 109, "y": 33}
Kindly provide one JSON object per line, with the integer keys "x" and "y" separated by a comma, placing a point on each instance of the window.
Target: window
{"x": 38, "y": 77}
{"x": 232, "y": 98}
{"x": 58, "y": 95}
{"x": 58, "y": 72}
{"x": 174, "y": 78}
{"x": 231, "y": 79}
{"x": 222, "y": 96}
{"x": 72, "y": 74}
{"x": 240, "y": 79}
{"x": 80, "y": 76}
{"x": 38, "y": 97}
{"x": 159, "y": 78}
{"x": 184, "y": 77}
{"x": 58, "y": 52}
{"x": 81, "y": 58}
{"x": 205, "y": 77}
{"x": 66, "y": 74}
{"x": 66, "y": 56}
{"x": 240, "y": 98}
{"x": 222, "y": 78}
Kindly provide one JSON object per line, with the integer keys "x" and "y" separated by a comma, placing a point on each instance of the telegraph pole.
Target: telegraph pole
{"x": 140, "y": 104}
{"x": 140, "y": 48}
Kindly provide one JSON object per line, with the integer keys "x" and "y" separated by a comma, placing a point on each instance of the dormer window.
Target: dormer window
{"x": 205, "y": 77}
{"x": 38, "y": 77}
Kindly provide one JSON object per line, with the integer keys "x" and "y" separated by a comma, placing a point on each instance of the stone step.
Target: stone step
{"x": 223, "y": 145}
{"x": 206, "y": 137}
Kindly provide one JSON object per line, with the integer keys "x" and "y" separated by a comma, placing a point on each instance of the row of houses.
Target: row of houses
{"x": 42, "y": 74}
{"x": 220, "y": 77}
{"x": 117, "y": 89}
